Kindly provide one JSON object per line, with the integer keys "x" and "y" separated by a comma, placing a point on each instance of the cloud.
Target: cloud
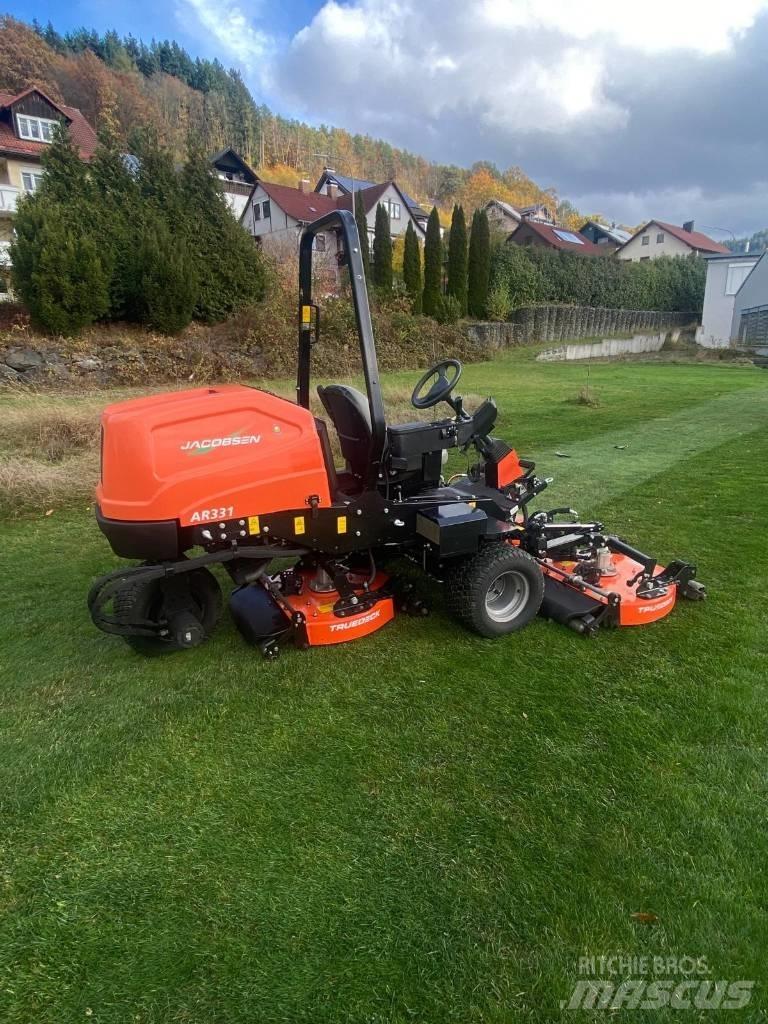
{"x": 607, "y": 100}
{"x": 233, "y": 30}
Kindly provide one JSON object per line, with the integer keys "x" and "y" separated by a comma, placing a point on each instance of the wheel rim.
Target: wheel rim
{"x": 506, "y": 596}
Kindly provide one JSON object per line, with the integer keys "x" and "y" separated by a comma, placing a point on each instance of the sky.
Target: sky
{"x": 635, "y": 109}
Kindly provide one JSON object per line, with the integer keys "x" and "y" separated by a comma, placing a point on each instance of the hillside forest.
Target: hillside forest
{"x": 122, "y": 82}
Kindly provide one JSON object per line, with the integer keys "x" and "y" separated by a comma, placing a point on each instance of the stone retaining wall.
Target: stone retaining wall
{"x": 531, "y": 324}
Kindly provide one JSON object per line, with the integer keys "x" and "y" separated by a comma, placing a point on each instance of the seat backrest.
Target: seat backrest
{"x": 351, "y": 416}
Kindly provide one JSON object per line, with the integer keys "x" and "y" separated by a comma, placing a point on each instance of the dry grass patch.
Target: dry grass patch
{"x": 49, "y": 444}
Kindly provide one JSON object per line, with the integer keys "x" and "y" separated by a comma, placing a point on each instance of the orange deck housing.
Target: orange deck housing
{"x": 207, "y": 454}
{"x": 633, "y": 610}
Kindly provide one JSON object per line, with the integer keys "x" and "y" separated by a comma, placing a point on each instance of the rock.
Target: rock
{"x": 23, "y": 359}
{"x": 7, "y": 373}
{"x": 58, "y": 370}
{"x": 89, "y": 364}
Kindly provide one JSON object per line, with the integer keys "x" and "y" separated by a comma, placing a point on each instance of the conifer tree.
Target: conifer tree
{"x": 433, "y": 266}
{"x": 457, "y": 260}
{"x": 168, "y": 282}
{"x": 479, "y": 265}
{"x": 60, "y": 278}
{"x": 362, "y": 230}
{"x": 230, "y": 269}
{"x": 382, "y": 251}
{"x": 412, "y": 267}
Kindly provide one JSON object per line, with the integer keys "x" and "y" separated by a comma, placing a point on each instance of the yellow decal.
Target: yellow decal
{"x": 298, "y": 525}
{"x": 306, "y": 314}
{"x": 253, "y": 524}
{"x": 341, "y": 524}
{"x": 472, "y": 504}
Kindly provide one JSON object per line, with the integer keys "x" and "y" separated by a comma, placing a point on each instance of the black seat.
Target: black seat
{"x": 349, "y": 412}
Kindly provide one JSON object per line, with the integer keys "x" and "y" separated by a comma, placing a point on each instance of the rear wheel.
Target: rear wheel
{"x": 200, "y": 603}
{"x": 497, "y": 591}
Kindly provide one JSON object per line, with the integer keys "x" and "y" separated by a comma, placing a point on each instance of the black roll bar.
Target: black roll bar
{"x": 344, "y": 220}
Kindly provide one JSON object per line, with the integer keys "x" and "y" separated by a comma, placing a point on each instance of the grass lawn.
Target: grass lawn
{"x": 424, "y": 825}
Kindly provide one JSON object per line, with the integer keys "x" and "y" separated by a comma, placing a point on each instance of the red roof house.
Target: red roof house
{"x": 658, "y": 238}
{"x": 552, "y": 236}
{"x": 28, "y": 118}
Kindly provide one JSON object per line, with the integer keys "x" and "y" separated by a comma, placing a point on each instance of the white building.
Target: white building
{"x": 725, "y": 277}
{"x": 657, "y": 238}
{"x": 237, "y": 180}
{"x": 750, "y": 307}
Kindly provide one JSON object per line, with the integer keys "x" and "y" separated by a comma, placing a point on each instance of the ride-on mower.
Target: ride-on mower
{"x": 250, "y": 478}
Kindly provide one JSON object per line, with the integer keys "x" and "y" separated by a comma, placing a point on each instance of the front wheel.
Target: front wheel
{"x": 144, "y": 602}
{"x": 497, "y": 591}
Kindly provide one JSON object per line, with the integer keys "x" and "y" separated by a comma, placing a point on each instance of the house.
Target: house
{"x": 507, "y": 217}
{"x": 237, "y": 179}
{"x": 725, "y": 278}
{"x": 550, "y": 236}
{"x": 601, "y": 234}
{"x": 750, "y": 308}
{"x": 276, "y": 214}
{"x": 333, "y": 184}
{"x": 27, "y": 124}
{"x": 657, "y": 238}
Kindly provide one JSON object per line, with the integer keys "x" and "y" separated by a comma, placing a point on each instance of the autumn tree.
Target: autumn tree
{"x": 479, "y": 265}
{"x": 433, "y": 266}
{"x": 382, "y": 251}
{"x": 457, "y": 260}
{"x": 24, "y": 58}
{"x": 412, "y": 267}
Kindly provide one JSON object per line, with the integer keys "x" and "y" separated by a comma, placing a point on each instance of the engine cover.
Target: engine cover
{"x": 209, "y": 454}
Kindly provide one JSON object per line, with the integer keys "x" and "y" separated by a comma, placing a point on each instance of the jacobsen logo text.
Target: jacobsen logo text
{"x": 219, "y": 442}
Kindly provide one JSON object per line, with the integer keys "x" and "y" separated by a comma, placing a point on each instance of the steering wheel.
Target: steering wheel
{"x": 441, "y": 388}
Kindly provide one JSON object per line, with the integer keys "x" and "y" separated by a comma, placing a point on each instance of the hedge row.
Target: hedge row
{"x": 527, "y": 276}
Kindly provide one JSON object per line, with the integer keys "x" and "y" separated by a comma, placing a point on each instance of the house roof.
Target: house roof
{"x": 549, "y": 233}
{"x": 217, "y": 157}
{"x": 618, "y": 235}
{"x": 755, "y": 255}
{"x": 83, "y": 136}
{"x": 302, "y": 206}
{"x": 308, "y": 206}
{"x": 370, "y": 196}
{"x": 694, "y": 239}
{"x": 508, "y": 208}
{"x": 348, "y": 184}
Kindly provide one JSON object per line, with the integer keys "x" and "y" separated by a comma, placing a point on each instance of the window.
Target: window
{"x": 257, "y": 211}
{"x": 31, "y": 180}
{"x": 265, "y": 210}
{"x": 568, "y": 236}
{"x": 319, "y": 244}
{"x": 646, "y": 240}
{"x": 393, "y": 209}
{"x": 36, "y": 129}
{"x": 737, "y": 274}
{"x": 660, "y": 237}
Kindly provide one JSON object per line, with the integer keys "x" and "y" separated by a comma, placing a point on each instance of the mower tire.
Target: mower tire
{"x": 495, "y": 592}
{"x": 142, "y": 600}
